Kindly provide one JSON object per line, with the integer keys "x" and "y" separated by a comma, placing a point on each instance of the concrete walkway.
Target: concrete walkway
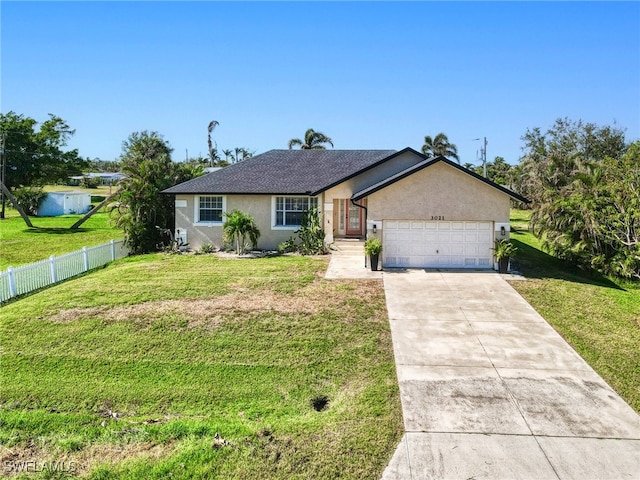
{"x": 347, "y": 261}
{"x": 490, "y": 391}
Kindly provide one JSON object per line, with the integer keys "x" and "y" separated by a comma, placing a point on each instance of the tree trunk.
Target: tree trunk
{"x": 13, "y": 200}
{"x": 92, "y": 211}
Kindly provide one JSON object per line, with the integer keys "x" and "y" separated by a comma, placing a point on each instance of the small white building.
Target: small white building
{"x": 64, "y": 203}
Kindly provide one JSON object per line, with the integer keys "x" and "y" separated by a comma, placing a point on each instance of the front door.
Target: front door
{"x": 354, "y": 219}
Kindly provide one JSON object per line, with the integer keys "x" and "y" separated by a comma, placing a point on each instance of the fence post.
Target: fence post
{"x": 113, "y": 250}
{"x": 54, "y": 273}
{"x": 12, "y": 282}
{"x": 85, "y": 255}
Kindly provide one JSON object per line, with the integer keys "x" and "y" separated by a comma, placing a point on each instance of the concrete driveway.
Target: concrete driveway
{"x": 490, "y": 390}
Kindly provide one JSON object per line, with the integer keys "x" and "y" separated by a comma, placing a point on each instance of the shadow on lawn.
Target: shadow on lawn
{"x": 60, "y": 230}
{"x": 534, "y": 263}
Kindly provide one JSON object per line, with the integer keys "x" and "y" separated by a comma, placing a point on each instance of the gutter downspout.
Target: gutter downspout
{"x": 366, "y": 213}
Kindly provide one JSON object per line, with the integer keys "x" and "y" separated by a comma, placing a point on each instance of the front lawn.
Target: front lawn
{"x": 20, "y": 244}
{"x": 200, "y": 367}
{"x": 598, "y": 316}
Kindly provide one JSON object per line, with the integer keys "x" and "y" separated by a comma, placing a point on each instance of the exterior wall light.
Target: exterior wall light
{"x": 375, "y": 228}
{"x": 503, "y": 232}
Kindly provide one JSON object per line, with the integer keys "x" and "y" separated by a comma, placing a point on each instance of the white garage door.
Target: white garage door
{"x": 410, "y": 243}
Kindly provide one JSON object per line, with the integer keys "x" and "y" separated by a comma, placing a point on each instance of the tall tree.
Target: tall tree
{"x": 213, "y": 151}
{"x": 312, "y": 141}
{"x": 440, "y": 145}
{"x": 498, "y": 171}
{"x": 584, "y": 181}
{"x": 240, "y": 154}
{"x": 36, "y": 157}
{"x": 552, "y": 159}
{"x": 145, "y": 214}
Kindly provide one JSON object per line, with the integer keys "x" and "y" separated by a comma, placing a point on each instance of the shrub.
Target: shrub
{"x": 504, "y": 249}
{"x": 311, "y": 234}
{"x": 373, "y": 246}
{"x": 239, "y": 227}
{"x": 30, "y": 198}
{"x": 288, "y": 246}
{"x": 206, "y": 248}
{"x": 90, "y": 182}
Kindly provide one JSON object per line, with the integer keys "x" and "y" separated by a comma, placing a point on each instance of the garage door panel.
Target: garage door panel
{"x": 485, "y": 237}
{"x": 455, "y": 262}
{"x": 457, "y": 237}
{"x": 424, "y": 244}
{"x": 471, "y": 250}
{"x": 470, "y": 237}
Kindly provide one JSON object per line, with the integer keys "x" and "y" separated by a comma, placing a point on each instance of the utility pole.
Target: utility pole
{"x": 2, "y": 172}
{"x": 483, "y": 155}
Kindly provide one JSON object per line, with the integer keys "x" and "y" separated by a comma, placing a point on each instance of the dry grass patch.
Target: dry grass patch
{"x": 309, "y": 300}
{"x": 81, "y": 462}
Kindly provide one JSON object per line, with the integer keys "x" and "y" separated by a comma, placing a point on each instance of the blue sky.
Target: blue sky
{"x": 373, "y": 75}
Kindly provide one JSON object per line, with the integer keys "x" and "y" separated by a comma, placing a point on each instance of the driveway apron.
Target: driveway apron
{"x": 490, "y": 390}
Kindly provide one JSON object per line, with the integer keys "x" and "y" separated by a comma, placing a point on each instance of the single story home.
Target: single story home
{"x": 103, "y": 178}
{"x": 429, "y": 212}
{"x": 64, "y": 203}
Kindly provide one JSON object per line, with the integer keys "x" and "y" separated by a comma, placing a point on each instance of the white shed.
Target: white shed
{"x": 64, "y": 203}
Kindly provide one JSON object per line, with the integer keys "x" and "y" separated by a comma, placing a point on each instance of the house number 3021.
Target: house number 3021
{"x": 437, "y": 217}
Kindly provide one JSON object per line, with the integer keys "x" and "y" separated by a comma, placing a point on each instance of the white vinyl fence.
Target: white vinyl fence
{"x": 21, "y": 280}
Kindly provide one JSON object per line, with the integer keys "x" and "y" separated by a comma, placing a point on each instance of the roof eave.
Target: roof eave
{"x": 410, "y": 171}
{"x": 373, "y": 165}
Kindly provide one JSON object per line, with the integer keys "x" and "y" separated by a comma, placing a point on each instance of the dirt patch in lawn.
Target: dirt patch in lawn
{"x": 310, "y": 299}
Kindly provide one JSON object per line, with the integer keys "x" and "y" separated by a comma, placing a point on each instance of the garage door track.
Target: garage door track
{"x": 490, "y": 390}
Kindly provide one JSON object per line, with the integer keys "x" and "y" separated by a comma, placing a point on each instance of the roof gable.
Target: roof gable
{"x": 425, "y": 164}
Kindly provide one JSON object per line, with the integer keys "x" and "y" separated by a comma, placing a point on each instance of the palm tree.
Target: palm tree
{"x": 238, "y": 227}
{"x": 439, "y": 145}
{"x": 212, "y": 152}
{"x": 312, "y": 141}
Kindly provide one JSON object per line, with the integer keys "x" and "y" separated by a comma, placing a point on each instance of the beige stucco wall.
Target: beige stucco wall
{"x": 258, "y": 206}
{"x": 439, "y": 192}
{"x": 346, "y": 189}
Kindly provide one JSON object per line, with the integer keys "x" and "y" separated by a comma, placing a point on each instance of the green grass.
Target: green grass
{"x": 133, "y": 370}
{"x": 20, "y": 245}
{"x": 597, "y": 315}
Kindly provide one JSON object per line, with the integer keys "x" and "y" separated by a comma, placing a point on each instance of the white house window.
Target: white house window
{"x": 288, "y": 211}
{"x": 209, "y": 209}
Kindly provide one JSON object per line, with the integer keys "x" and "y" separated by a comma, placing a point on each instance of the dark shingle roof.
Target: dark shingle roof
{"x": 285, "y": 172}
{"x": 424, "y": 164}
